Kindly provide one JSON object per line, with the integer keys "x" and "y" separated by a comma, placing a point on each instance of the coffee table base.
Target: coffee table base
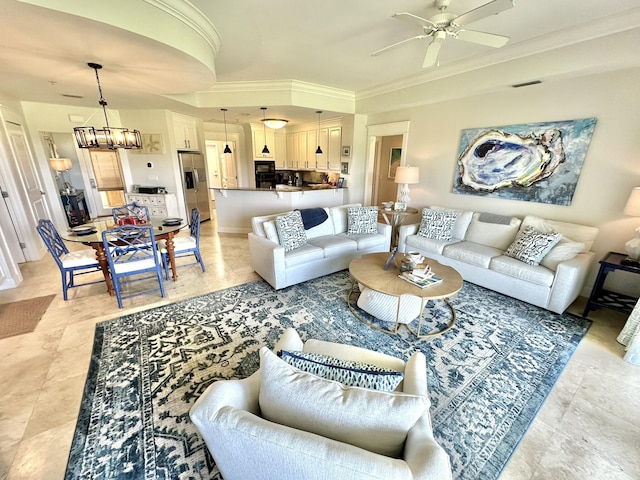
{"x": 397, "y": 324}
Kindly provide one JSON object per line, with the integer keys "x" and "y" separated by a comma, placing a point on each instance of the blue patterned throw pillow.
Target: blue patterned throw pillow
{"x": 291, "y": 231}
{"x": 356, "y": 374}
{"x": 530, "y": 246}
{"x": 437, "y": 224}
{"x": 362, "y": 220}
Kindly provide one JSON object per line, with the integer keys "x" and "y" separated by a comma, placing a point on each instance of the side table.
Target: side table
{"x": 395, "y": 218}
{"x": 75, "y": 206}
{"x": 601, "y": 298}
{"x": 630, "y": 336}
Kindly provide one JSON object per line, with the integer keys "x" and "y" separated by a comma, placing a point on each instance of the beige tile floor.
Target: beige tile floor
{"x": 589, "y": 427}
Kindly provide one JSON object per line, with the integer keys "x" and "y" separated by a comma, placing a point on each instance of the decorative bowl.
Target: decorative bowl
{"x": 387, "y": 205}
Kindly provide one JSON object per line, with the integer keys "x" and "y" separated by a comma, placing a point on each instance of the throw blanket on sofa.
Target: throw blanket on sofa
{"x": 312, "y": 217}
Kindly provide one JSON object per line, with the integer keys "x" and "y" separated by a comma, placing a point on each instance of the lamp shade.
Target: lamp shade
{"x": 632, "y": 208}
{"x": 408, "y": 175}
{"x": 60, "y": 164}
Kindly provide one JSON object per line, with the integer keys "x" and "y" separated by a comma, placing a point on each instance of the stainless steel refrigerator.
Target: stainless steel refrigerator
{"x": 194, "y": 183}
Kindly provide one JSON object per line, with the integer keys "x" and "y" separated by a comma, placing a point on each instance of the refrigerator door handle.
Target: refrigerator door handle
{"x": 196, "y": 178}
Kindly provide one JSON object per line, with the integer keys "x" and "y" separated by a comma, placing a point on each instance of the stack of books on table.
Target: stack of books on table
{"x": 421, "y": 277}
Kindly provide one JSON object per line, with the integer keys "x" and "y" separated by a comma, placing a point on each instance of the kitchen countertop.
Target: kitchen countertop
{"x": 280, "y": 188}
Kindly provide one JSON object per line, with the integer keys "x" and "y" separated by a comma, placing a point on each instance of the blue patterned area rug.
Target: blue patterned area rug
{"x": 488, "y": 376}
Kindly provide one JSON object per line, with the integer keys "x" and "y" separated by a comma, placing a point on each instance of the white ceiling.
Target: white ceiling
{"x": 43, "y": 53}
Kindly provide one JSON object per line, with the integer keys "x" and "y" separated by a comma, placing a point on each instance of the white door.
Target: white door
{"x": 228, "y": 168}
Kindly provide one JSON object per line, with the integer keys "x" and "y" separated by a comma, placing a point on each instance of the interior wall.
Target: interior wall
{"x": 610, "y": 170}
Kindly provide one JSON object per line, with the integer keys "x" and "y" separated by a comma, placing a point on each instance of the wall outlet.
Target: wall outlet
{"x": 152, "y": 177}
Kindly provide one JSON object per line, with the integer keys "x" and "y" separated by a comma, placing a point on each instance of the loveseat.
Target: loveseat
{"x": 289, "y": 424}
{"x": 286, "y": 249}
{"x": 538, "y": 261}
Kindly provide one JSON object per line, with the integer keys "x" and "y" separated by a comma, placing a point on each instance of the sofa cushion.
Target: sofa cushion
{"x": 530, "y": 245}
{"x": 339, "y": 217}
{"x": 569, "y": 231}
{"x": 564, "y": 250}
{"x": 437, "y": 224}
{"x": 517, "y": 269}
{"x": 362, "y": 221}
{"x": 334, "y": 245}
{"x": 496, "y": 235}
{"x": 320, "y": 230}
{"x": 366, "y": 242}
{"x": 427, "y": 245}
{"x": 355, "y": 374}
{"x": 370, "y": 419}
{"x": 304, "y": 254}
{"x": 462, "y": 221}
{"x": 291, "y": 231}
{"x": 473, "y": 253}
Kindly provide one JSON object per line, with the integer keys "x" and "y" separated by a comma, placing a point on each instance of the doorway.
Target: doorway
{"x": 381, "y": 139}
{"x": 222, "y": 169}
{"x": 107, "y": 182}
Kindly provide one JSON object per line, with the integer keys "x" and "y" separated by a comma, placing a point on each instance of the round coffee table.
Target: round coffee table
{"x": 368, "y": 271}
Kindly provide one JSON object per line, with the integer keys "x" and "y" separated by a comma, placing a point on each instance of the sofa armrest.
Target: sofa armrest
{"x": 426, "y": 459}
{"x": 267, "y": 259}
{"x": 569, "y": 280}
{"x": 403, "y": 232}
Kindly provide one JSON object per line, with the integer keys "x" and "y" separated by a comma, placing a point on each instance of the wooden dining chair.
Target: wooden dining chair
{"x": 78, "y": 262}
{"x": 133, "y": 253}
{"x": 184, "y": 246}
{"x": 141, "y": 212}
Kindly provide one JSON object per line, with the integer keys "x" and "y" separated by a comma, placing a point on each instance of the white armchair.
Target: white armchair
{"x": 246, "y": 445}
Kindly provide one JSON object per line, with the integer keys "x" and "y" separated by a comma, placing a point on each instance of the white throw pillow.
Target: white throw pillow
{"x": 271, "y": 231}
{"x": 370, "y": 419}
{"x": 569, "y": 231}
{"x": 565, "y": 250}
{"x": 437, "y": 224}
{"x": 492, "y": 234}
{"x": 362, "y": 221}
{"x": 291, "y": 231}
{"x": 530, "y": 245}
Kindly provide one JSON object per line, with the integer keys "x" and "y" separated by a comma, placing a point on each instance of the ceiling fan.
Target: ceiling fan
{"x": 444, "y": 24}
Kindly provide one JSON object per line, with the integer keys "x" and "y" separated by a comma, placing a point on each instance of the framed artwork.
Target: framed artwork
{"x": 533, "y": 162}
{"x": 340, "y": 182}
{"x": 400, "y": 206}
{"x": 344, "y": 168}
{"x": 152, "y": 143}
{"x": 394, "y": 161}
{"x": 346, "y": 150}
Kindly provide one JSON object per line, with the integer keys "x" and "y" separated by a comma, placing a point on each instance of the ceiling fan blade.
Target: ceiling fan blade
{"x": 483, "y": 11}
{"x": 411, "y": 18}
{"x": 382, "y": 50}
{"x": 433, "y": 51}
{"x": 483, "y": 38}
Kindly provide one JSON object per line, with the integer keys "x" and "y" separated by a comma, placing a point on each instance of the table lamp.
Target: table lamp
{"x": 632, "y": 208}
{"x": 61, "y": 165}
{"x": 406, "y": 176}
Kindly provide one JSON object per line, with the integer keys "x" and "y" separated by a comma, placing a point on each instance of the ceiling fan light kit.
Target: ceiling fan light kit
{"x": 109, "y": 137}
{"x": 441, "y": 25}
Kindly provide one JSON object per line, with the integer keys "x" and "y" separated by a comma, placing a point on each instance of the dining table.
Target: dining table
{"x": 162, "y": 230}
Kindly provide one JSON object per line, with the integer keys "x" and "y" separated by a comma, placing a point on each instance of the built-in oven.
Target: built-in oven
{"x": 265, "y": 173}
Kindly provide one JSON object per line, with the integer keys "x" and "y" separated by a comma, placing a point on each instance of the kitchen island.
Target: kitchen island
{"x": 236, "y": 206}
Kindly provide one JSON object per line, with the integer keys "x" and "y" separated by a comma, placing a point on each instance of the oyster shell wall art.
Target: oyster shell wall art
{"x": 534, "y": 162}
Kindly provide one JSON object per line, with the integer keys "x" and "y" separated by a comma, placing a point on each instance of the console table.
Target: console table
{"x": 601, "y": 298}
{"x": 75, "y": 206}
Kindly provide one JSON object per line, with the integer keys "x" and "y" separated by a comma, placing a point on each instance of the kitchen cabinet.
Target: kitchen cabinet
{"x": 280, "y": 150}
{"x": 186, "y": 132}
{"x": 159, "y": 205}
{"x": 292, "y": 157}
{"x": 334, "y": 149}
{"x": 259, "y": 142}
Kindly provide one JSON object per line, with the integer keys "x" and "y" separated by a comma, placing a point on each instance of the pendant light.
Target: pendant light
{"x": 265, "y": 150}
{"x": 319, "y": 150}
{"x": 112, "y": 138}
{"x": 226, "y": 140}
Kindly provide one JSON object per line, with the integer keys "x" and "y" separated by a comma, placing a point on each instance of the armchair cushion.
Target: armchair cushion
{"x": 356, "y": 374}
{"x": 370, "y": 419}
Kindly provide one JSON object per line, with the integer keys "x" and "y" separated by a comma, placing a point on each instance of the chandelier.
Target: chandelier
{"x": 109, "y": 137}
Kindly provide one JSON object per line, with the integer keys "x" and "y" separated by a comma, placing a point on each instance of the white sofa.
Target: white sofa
{"x": 477, "y": 251}
{"x": 230, "y": 416}
{"x": 328, "y": 249}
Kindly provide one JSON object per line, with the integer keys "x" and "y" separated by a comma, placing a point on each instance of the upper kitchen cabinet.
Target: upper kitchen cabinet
{"x": 275, "y": 141}
{"x": 334, "y": 148}
{"x": 186, "y": 132}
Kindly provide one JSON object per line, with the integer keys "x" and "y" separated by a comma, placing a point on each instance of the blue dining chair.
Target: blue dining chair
{"x": 133, "y": 252}
{"x": 78, "y": 262}
{"x": 130, "y": 210}
{"x": 185, "y": 246}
